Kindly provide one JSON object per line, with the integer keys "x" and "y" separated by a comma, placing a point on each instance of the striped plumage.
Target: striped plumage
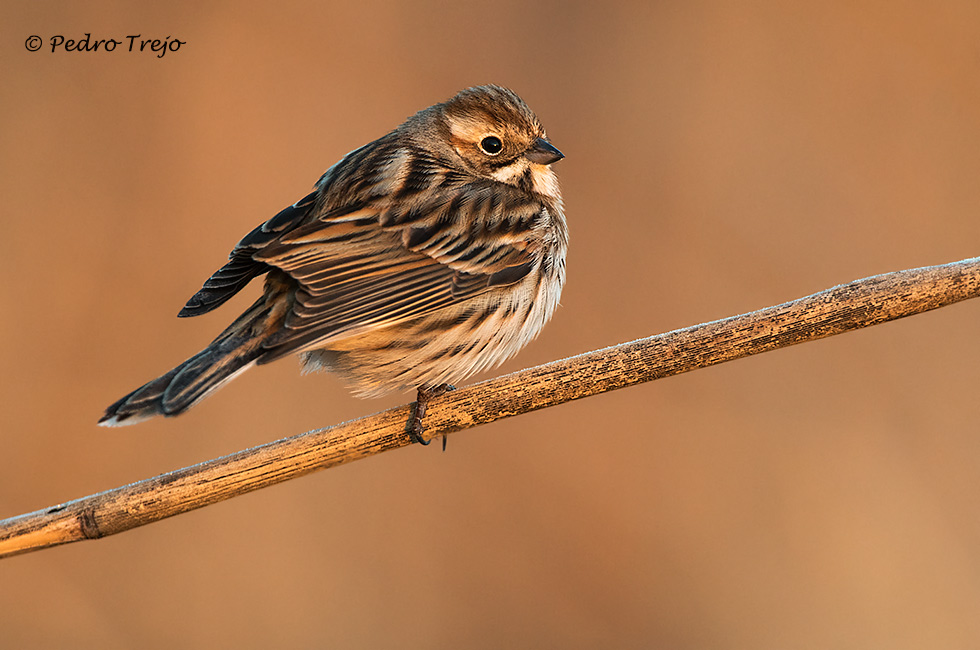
{"x": 419, "y": 259}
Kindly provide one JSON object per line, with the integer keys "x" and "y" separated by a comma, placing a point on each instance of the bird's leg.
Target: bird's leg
{"x": 415, "y": 426}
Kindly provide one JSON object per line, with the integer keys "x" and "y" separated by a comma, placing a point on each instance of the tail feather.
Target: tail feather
{"x": 233, "y": 352}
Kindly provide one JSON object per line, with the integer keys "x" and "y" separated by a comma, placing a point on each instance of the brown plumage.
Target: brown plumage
{"x": 419, "y": 259}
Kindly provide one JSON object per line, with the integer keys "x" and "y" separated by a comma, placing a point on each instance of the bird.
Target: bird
{"x": 419, "y": 259}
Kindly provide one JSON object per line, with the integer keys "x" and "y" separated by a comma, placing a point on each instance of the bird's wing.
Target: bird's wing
{"x": 400, "y": 258}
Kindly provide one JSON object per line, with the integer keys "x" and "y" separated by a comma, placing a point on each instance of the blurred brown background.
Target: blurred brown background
{"x": 721, "y": 157}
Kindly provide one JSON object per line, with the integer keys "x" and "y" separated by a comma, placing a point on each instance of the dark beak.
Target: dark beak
{"x": 543, "y": 152}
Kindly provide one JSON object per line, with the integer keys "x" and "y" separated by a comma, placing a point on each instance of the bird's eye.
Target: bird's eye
{"x": 491, "y": 145}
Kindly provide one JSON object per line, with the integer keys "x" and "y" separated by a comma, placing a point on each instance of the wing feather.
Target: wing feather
{"x": 450, "y": 248}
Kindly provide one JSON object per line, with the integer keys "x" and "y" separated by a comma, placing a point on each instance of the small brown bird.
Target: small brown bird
{"x": 432, "y": 253}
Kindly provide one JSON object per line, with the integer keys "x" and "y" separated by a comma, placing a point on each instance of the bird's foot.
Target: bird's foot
{"x": 415, "y": 426}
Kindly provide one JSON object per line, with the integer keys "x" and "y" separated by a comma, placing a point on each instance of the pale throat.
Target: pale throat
{"x": 543, "y": 178}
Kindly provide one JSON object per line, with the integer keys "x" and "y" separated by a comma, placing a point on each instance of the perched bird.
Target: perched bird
{"x": 432, "y": 253}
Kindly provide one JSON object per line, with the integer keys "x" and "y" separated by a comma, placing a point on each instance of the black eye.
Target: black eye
{"x": 491, "y": 145}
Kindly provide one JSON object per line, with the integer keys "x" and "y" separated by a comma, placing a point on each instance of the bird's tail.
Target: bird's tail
{"x": 234, "y": 351}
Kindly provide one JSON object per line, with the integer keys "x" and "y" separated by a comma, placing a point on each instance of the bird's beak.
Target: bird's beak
{"x": 543, "y": 152}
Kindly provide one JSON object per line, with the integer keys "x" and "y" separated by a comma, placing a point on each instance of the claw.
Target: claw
{"x": 415, "y": 426}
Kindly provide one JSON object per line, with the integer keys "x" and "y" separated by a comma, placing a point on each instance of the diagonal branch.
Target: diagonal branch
{"x": 861, "y": 303}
